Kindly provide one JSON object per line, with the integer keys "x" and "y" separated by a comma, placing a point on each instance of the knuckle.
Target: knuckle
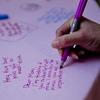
{"x": 64, "y": 39}
{"x": 58, "y": 32}
{"x": 82, "y": 35}
{"x": 95, "y": 45}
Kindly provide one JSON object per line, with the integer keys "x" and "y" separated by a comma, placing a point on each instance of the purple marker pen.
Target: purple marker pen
{"x": 75, "y": 25}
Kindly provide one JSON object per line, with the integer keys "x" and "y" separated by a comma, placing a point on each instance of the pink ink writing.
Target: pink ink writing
{"x": 46, "y": 75}
{"x": 11, "y": 30}
{"x": 12, "y": 68}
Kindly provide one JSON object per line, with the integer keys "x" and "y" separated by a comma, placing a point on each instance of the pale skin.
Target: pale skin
{"x": 88, "y": 36}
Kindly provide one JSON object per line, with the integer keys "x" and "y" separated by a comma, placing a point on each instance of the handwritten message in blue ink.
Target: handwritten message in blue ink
{"x": 55, "y": 15}
{"x": 30, "y": 7}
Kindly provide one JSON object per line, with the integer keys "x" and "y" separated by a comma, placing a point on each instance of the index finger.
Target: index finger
{"x": 65, "y": 28}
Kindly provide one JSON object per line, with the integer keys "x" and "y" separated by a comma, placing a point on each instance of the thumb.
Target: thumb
{"x": 68, "y": 40}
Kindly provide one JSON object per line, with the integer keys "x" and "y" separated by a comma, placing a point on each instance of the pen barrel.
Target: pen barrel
{"x": 80, "y": 8}
{"x": 75, "y": 26}
{"x": 78, "y": 49}
{"x": 66, "y": 53}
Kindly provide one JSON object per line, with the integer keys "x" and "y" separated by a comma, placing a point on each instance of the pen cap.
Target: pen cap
{"x": 3, "y": 17}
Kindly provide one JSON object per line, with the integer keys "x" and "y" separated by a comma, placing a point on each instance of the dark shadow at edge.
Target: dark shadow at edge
{"x": 94, "y": 93}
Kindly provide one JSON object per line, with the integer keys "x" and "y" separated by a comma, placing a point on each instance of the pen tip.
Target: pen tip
{"x": 61, "y": 65}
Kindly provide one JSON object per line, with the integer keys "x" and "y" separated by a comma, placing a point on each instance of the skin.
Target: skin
{"x": 88, "y": 36}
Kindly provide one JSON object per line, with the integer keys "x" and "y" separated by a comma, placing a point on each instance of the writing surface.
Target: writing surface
{"x": 29, "y": 66}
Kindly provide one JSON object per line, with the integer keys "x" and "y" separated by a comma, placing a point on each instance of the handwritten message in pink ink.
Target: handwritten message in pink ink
{"x": 12, "y": 68}
{"x": 12, "y": 30}
{"x": 46, "y": 75}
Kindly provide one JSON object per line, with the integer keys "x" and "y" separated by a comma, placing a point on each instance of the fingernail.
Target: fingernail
{"x": 55, "y": 43}
{"x": 60, "y": 53}
{"x": 75, "y": 56}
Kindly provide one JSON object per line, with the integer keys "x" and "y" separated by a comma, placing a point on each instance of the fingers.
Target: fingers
{"x": 64, "y": 29}
{"x": 87, "y": 37}
{"x": 68, "y": 40}
{"x": 60, "y": 51}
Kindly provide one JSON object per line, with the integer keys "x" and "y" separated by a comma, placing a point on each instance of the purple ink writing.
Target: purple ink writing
{"x": 11, "y": 30}
{"x": 46, "y": 75}
{"x": 12, "y": 68}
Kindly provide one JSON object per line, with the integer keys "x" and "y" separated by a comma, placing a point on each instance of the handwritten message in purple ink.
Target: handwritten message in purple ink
{"x": 12, "y": 30}
{"x": 46, "y": 75}
{"x": 12, "y": 68}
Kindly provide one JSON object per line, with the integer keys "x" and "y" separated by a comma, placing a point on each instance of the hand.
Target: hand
{"x": 88, "y": 36}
